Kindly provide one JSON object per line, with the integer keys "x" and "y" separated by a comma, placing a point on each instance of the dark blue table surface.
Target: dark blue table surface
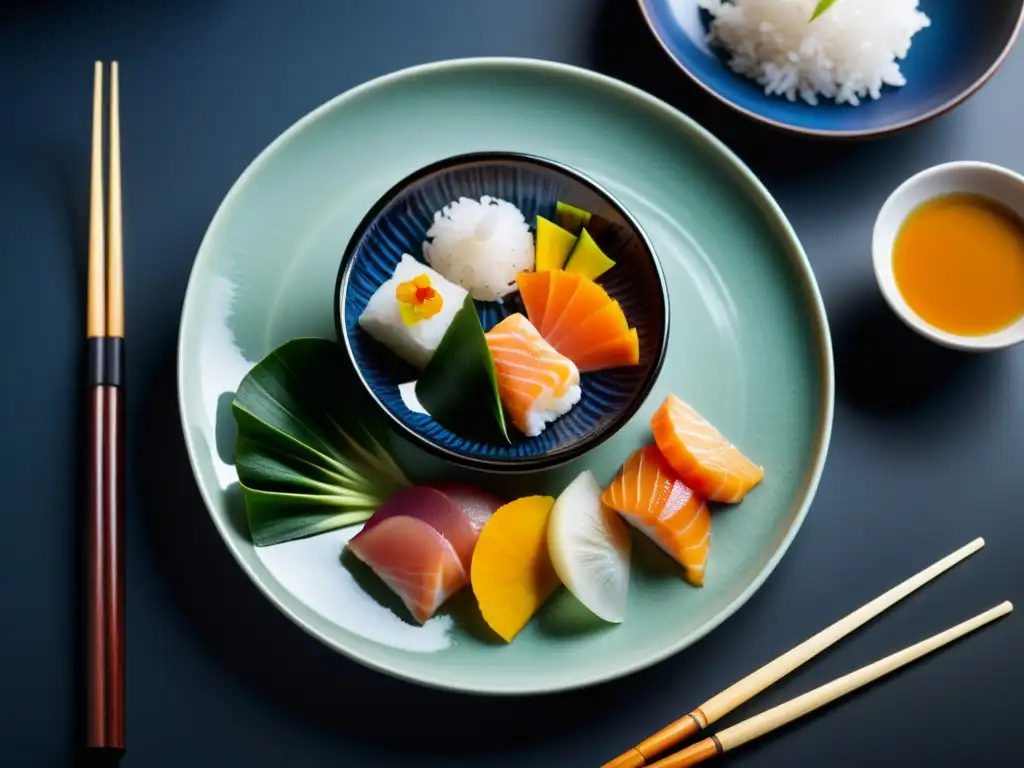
{"x": 926, "y": 454}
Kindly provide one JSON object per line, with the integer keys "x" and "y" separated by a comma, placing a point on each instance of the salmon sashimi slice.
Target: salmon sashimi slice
{"x": 588, "y": 298}
{"x": 533, "y": 289}
{"x": 701, "y": 455}
{"x": 606, "y": 322}
{"x": 535, "y": 382}
{"x": 416, "y": 562}
{"x": 616, "y": 352}
{"x": 577, "y": 317}
{"x": 560, "y": 292}
{"x": 652, "y": 498}
{"x": 438, "y": 510}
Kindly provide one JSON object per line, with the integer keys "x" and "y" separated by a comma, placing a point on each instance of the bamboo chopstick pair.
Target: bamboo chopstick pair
{"x": 740, "y": 692}
{"x": 104, "y": 642}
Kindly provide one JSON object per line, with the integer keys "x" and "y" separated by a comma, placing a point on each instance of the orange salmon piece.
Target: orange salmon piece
{"x": 702, "y": 457}
{"x": 617, "y": 351}
{"x": 653, "y": 499}
{"x": 533, "y": 290}
{"x": 535, "y": 382}
{"x": 588, "y": 299}
{"x": 560, "y": 292}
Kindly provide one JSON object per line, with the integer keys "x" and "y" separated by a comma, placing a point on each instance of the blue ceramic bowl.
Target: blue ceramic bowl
{"x": 398, "y": 223}
{"x": 947, "y": 62}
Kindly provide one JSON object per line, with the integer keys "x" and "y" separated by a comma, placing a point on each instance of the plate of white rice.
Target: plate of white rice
{"x": 854, "y": 68}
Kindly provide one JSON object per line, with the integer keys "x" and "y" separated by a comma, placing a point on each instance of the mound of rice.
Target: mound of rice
{"x": 481, "y": 245}
{"x": 847, "y": 54}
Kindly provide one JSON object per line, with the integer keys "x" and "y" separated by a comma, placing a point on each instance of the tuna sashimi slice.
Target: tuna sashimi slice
{"x": 414, "y": 560}
{"x": 435, "y": 508}
{"x": 701, "y": 455}
{"x": 652, "y": 498}
{"x": 477, "y": 504}
{"x": 616, "y": 352}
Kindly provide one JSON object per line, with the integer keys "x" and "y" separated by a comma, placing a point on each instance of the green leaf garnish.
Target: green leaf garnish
{"x": 823, "y": 5}
{"x": 309, "y": 454}
{"x": 459, "y": 386}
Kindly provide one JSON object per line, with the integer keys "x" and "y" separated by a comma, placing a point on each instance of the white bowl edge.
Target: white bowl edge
{"x": 993, "y": 181}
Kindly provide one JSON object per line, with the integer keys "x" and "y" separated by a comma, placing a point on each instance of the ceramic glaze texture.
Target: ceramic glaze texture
{"x": 398, "y": 225}
{"x": 947, "y": 62}
{"x": 749, "y": 349}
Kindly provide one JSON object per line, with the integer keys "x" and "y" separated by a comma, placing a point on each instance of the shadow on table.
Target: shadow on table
{"x": 16, "y": 9}
{"x": 626, "y": 49}
{"x": 280, "y": 661}
{"x": 883, "y": 367}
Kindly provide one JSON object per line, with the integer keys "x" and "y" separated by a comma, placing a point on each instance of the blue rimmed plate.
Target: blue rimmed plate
{"x": 397, "y": 225}
{"x": 948, "y": 61}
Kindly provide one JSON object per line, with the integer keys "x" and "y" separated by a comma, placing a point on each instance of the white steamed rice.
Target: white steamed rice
{"x": 481, "y": 245}
{"x": 847, "y": 54}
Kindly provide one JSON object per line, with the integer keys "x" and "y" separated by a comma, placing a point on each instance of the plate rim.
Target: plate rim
{"x": 859, "y": 133}
{"x": 814, "y": 302}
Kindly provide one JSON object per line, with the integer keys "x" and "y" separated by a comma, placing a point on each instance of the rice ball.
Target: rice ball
{"x": 480, "y": 245}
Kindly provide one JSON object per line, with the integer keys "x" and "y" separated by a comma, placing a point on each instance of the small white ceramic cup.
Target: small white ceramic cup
{"x": 993, "y": 181}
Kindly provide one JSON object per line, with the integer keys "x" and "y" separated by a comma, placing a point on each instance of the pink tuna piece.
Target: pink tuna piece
{"x": 434, "y": 508}
{"x": 477, "y": 504}
{"x": 414, "y": 560}
{"x": 420, "y": 542}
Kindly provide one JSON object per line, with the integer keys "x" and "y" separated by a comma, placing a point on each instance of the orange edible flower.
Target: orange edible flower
{"x": 418, "y": 300}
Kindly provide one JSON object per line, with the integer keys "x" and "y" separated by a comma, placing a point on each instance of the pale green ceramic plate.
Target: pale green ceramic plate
{"x": 749, "y": 348}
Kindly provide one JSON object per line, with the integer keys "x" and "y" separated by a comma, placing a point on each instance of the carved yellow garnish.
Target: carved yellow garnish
{"x": 417, "y": 300}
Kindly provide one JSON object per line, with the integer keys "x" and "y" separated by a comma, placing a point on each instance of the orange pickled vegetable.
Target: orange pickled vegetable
{"x": 512, "y": 574}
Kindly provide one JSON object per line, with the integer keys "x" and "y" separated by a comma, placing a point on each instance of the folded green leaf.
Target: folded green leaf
{"x": 263, "y": 466}
{"x": 309, "y": 454}
{"x": 821, "y": 7}
{"x": 278, "y": 517}
{"x": 459, "y": 386}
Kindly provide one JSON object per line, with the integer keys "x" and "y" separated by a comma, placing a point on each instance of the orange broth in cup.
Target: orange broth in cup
{"x": 958, "y": 261}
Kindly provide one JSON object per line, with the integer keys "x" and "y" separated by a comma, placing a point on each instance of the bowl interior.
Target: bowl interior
{"x": 991, "y": 181}
{"x": 397, "y": 225}
{"x": 945, "y": 62}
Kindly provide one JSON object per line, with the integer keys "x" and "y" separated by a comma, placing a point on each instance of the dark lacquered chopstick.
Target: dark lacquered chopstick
{"x": 105, "y": 682}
